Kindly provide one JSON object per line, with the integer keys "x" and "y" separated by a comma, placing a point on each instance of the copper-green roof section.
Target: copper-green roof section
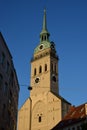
{"x": 42, "y": 46}
{"x": 44, "y": 35}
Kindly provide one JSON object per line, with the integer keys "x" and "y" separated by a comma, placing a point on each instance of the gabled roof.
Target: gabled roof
{"x": 24, "y": 103}
{"x": 75, "y": 114}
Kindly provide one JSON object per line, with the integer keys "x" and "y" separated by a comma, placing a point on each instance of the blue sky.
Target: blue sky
{"x": 21, "y": 24}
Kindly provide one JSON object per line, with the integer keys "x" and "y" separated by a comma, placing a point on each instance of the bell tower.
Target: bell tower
{"x": 44, "y": 65}
{"x": 45, "y": 107}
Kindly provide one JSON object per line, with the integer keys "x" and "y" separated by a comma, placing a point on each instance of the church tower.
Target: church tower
{"x": 45, "y": 107}
{"x": 44, "y": 65}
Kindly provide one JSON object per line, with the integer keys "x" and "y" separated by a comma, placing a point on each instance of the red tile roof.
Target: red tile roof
{"x": 75, "y": 114}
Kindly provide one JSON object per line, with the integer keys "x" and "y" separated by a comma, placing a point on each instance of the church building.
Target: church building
{"x": 45, "y": 107}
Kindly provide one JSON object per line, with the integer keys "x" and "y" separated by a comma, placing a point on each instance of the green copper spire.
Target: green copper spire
{"x": 44, "y": 35}
{"x": 44, "y": 21}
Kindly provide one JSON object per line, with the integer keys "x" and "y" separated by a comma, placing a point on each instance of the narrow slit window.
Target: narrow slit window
{"x": 40, "y": 69}
{"x": 45, "y": 67}
{"x": 39, "y": 119}
{"x": 35, "y": 72}
{"x": 42, "y": 38}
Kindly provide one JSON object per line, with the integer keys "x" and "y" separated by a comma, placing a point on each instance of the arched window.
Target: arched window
{"x": 39, "y": 119}
{"x": 45, "y": 67}
{"x": 35, "y": 72}
{"x": 40, "y": 69}
{"x": 42, "y": 38}
{"x": 54, "y": 78}
{"x": 45, "y": 38}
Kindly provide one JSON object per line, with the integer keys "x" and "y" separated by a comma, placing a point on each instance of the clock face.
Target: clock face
{"x": 54, "y": 78}
{"x": 41, "y": 46}
{"x": 37, "y": 80}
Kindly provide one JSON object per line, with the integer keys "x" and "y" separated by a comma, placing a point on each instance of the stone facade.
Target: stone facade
{"x": 9, "y": 89}
{"x": 24, "y": 116}
{"x": 43, "y": 111}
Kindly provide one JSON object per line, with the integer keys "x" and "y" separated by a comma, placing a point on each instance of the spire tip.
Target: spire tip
{"x": 44, "y": 10}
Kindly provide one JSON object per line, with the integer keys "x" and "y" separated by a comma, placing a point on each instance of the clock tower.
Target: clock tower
{"x": 44, "y": 64}
{"x": 45, "y": 107}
